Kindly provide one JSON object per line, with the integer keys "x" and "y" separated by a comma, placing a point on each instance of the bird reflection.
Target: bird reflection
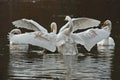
{"x": 68, "y": 61}
{"x": 109, "y": 49}
{"x": 92, "y": 67}
{"x": 54, "y": 65}
{"x": 18, "y": 48}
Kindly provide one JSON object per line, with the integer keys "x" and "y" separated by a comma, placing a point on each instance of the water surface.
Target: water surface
{"x": 24, "y": 64}
{"x": 18, "y": 62}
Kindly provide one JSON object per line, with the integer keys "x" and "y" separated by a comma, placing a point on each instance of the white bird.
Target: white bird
{"x": 65, "y": 40}
{"x": 16, "y": 37}
{"x": 109, "y": 41}
{"x": 14, "y": 46}
{"x": 24, "y": 23}
{"x": 29, "y": 24}
{"x": 88, "y": 38}
{"x": 12, "y": 33}
{"x": 40, "y": 36}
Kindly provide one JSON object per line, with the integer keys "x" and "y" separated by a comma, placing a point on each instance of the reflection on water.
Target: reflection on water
{"x": 18, "y": 48}
{"x": 54, "y": 66}
{"x": 105, "y": 48}
{"x": 23, "y": 66}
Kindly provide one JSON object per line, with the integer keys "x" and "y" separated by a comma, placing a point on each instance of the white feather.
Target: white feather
{"x": 34, "y": 38}
{"x": 109, "y": 41}
{"x": 81, "y": 23}
{"x": 29, "y": 24}
{"x": 66, "y": 40}
{"x": 90, "y": 37}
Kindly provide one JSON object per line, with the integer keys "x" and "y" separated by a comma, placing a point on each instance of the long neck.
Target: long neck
{"x": 55, "y": 30}
{"x": 70, "y": 25}
{"x": 110, "y": 26}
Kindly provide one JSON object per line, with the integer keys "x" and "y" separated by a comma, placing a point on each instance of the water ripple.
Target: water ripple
{"x": 54, "y": 66}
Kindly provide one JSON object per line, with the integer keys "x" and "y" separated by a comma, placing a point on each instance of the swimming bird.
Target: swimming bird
{"x": 14, "y": 46}
{"x": 109, "y": 41}
{"x": 16, "y": 37}
{"x": 65, "y": 41}
{"x": 12, "y": 33}
{"x": 24, "y": 23}
{"x": 33, "y": 37}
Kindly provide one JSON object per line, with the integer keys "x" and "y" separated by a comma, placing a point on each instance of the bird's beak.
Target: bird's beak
{"x": 104, "y": 24}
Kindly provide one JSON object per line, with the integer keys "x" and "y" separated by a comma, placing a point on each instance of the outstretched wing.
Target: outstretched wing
{"x": 46, "y": 41}
{"x": 90, "y": 37}
{"x": 29, "y": 24}
{"x": 81, "y": 23}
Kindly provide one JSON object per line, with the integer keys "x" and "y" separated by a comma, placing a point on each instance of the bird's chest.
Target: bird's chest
{"x": 69, "y": 40}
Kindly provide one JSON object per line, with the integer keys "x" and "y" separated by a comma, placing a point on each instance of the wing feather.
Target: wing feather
{"x": 90, "y": 37}
{"x": 46, "y": 41}
{"x": 29, "y": 24}
{"x": 81, "y": 23}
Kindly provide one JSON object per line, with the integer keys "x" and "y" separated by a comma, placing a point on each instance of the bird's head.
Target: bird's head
{"x": 106, "y": 23}
{"x": 67, "y": 18}
{"x": 53, "y": 27}
{"x": 15, "y": 31}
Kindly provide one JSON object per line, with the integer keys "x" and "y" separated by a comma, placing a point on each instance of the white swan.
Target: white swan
{"x": 109, "y": 41}
{"x": 14, "y": 47}
{"x": 12, "y": 33}
{"x": 65, "y": 40}
{"x": 33, "y": 37}
{"x": 24, "y": 23}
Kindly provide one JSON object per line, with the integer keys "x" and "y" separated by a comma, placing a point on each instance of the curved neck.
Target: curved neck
{"x": 70, "y": 24}
{"x": 110, "y": 26}
{"x": 53, "y": 27}
{"x": 54, "y": 31}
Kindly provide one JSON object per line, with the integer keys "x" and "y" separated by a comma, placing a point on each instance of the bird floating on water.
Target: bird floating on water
{"x": 66, "y": 40}
{"x": 109, "y": 41}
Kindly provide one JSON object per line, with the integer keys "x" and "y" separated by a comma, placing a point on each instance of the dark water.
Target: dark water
{"x": 21, "y": 63}
{"x": 17, "y": 62}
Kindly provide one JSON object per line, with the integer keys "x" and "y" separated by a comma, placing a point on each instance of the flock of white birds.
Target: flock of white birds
{"x": 65, "y": 41}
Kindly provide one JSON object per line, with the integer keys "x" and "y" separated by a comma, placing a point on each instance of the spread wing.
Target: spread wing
{"x": 43, "y": 40}
{"x": 29, "y": 24}
{"x": 90, "y": 37}
{"x": 81, "y": 23}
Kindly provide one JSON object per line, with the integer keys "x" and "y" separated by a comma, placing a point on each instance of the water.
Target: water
{"x": 18, "y": 62}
